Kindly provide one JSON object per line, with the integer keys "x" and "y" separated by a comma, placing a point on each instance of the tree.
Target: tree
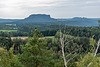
{"x": 99, "y": 22}
{"x": 6, "y": 42}
{"x": 8, "y": 59}
{"x": 63, "y": 45}
{"x": 90, "y": 59}
{"x": 95, "y": 53}
{"x": 35, "y": 53}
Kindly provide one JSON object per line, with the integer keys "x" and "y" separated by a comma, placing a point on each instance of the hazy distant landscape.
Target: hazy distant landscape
{"x": 49, "y": 33}
{"x": 44, "y": 23}
{"x": 42, "y": 40}
{"x": 43, "y": 19}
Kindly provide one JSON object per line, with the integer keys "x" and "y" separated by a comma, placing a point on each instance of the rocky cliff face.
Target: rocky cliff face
{"x": 39, "y": 18}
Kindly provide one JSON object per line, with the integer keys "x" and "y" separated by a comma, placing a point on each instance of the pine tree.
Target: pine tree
{"x": 35, "y": 53}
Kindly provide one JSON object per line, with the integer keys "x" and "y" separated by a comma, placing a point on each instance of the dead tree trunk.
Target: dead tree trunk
{"x": 62, "y": 45}
{"x": 63, "y": 42}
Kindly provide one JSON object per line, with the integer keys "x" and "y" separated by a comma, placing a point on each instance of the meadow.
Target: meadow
{"x": 8, "y": 30}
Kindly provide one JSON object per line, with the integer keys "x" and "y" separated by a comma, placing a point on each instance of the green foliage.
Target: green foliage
{"x": 99, "y": 21}
{"x": 89, "y": 58}
{"x": 17, "y": 42}
{"x": 35, "y": 53}
{"x": 83, "y": 31}
{"x": 6, "y": 42}
{"x": 74, "y": 43}
{"x": 50, "y": 30}
{"x": 93, "y": 44}
{"x": 42, "y": 51}
{"x": 92, "y": 41}
{"x": 98, "y": 55}
{"x": 59, "y": 64}
{"x": 95, "y": 61}
{"x": 8, "y": 59}
{"x": 8, "y": 30}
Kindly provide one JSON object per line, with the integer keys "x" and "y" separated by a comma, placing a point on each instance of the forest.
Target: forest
{"x": 49, "y": 33}
{"x": 50, "y": 46}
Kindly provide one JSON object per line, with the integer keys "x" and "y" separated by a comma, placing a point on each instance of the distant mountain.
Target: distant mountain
{"x": 39, "y": 18}
{"x": 80, "y": 21}
{"x": 8, "y": 20}
{"x": 43, "y": 19}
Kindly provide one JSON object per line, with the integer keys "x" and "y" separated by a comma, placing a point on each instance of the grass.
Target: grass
{"x": 8, "y": 30}
{"x": 11, "y": 24}
{"x": 52, "y": 37}
{"x": 23, "y": 38}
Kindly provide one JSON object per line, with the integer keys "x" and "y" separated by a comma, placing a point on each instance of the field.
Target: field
{"x": 11, "y": 24}
{"x": 52, "y": 37}
{"x": 8, "y": 30}
{"x": 24, "y": 38}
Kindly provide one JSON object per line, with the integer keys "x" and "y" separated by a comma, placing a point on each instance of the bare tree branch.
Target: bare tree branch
{"x": 95, "y": 52}
{"x": 73, "y": 52}
{"x": 63, "y": 42}
{"x": 97, "y": 48}
{"x": 71, "y": 59}
{"x": 62, "y": 45}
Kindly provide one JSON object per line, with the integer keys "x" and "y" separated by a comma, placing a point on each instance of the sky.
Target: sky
{"x": 18, "y": 9}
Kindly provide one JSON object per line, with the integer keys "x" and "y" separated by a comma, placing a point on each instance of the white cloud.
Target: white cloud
{"x": 57, "y": 8}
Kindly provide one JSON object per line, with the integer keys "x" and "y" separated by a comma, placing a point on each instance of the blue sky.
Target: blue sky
{"x": 56, "y": 8}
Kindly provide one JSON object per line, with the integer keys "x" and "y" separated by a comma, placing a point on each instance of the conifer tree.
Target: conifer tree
{"x": 35, "y": 53}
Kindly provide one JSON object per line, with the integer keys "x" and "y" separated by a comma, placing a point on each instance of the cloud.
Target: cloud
{"x": 57, "y": 8}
